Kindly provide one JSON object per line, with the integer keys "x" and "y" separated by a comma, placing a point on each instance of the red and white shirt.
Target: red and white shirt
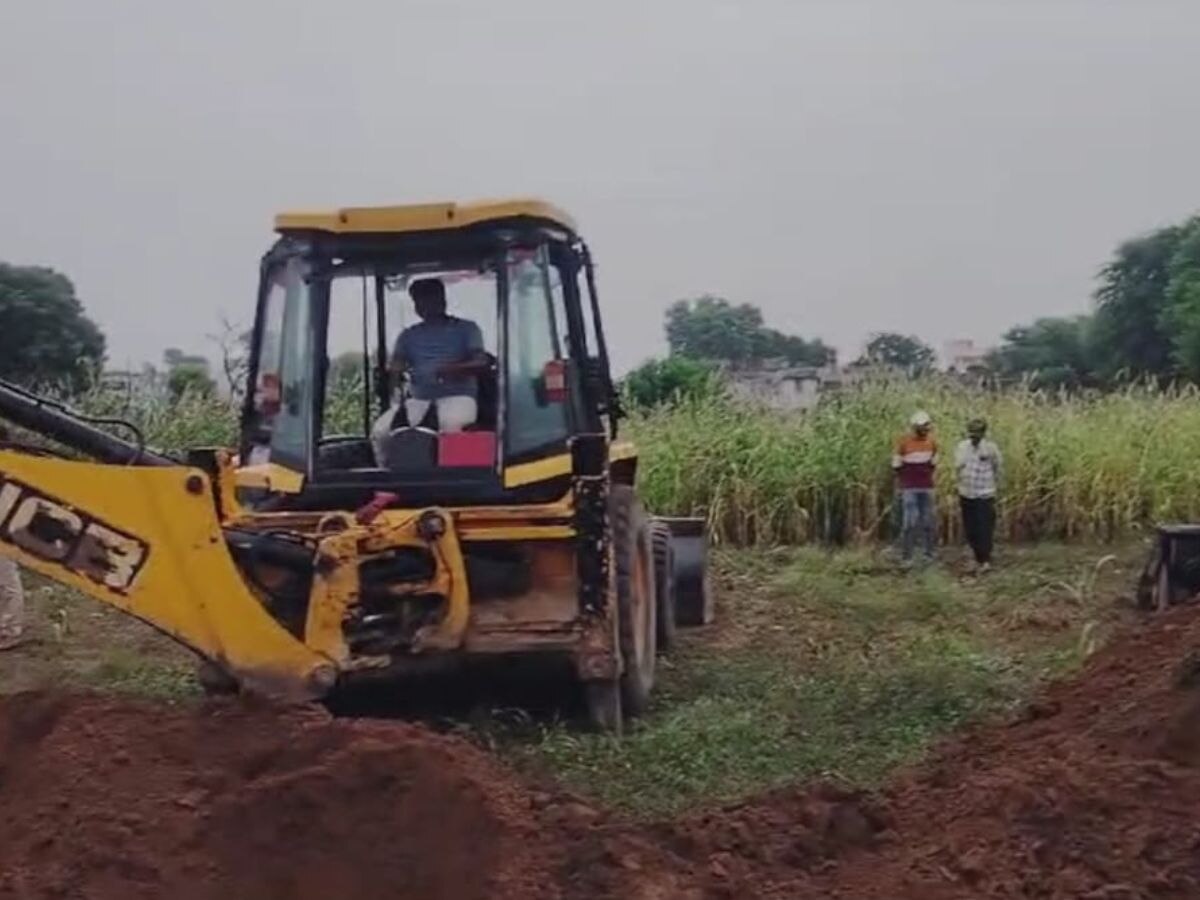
{"x": 915, "y": 460}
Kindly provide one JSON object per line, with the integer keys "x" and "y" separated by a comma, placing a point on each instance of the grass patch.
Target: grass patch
{"x": 836, "y": 665}
{"x": 75, "y": 642}
{"x": 755, "y": 723}
{"x": 123, "y": 671}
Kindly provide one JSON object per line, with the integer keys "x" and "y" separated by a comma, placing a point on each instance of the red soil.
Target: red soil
{"x": 1093, "y": 792}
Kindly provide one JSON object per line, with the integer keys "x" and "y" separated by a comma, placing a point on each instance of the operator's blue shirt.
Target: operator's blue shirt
{"x": 426, "y": 346}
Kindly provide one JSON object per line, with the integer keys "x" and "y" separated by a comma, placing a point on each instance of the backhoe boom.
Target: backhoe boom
{"x": 52, "y": 419}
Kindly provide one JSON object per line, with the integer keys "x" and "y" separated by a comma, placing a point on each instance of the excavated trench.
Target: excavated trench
{"x": 1091, "y": 792}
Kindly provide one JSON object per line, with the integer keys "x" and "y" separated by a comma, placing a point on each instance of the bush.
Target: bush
{"x": 662, "y": 381}
{"x": 188, "y": 380}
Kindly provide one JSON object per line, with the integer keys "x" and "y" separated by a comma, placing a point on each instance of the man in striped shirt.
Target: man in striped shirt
{"x": 977, "y": 463}
{"x": 914, "y": 463}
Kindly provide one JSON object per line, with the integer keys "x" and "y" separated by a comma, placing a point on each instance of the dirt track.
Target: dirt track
{"x": 1091, "y": 793}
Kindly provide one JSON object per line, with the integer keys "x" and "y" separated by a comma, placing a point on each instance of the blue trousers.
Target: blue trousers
{"x": 917, "y": 506}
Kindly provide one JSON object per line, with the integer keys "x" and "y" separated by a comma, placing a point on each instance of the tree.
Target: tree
{"x": 190, "y": 380}
{"x": 660, "y": 381}
{"x": 1052, "y": 352}
{"x": 1130, "y": 333}
{"x": 1181, "y": 318}
{"x": 45, "y": 337}
{"x": 233, "y": 345}
{"x": 345, "y": 370}
{"x": 898, "y": 351}
{"x": 712, "y": 328}
{"x": 796, "y": 350}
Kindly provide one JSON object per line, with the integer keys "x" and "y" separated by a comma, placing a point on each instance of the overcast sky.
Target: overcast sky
{"x": 943, "y": 167}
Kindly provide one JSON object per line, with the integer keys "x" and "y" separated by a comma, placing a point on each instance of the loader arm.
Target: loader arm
{"x": 147, "y": 541}
{"x": 140, "y": 532}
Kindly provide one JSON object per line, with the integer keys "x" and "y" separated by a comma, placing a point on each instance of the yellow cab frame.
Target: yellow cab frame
{"x": 514, "y": 566}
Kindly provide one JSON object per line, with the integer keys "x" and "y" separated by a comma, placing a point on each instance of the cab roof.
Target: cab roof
{"x": 422, "y": 217}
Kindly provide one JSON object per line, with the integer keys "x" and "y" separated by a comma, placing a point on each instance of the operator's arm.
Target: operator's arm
{"x": 476, "y": 359}
{"x": 477, "y": 362}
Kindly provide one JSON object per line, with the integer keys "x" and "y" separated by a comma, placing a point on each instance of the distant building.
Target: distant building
{"x": 781, "y": 386}
{"x": 147, "y": 380}
{"x": 150, "y": 380}
{"x": 963, "y": 356}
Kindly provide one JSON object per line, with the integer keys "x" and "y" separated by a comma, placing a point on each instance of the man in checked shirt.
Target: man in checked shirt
{"x": 977, "y": 465}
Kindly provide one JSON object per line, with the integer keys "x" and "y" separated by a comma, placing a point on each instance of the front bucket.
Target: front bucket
{"x": 693, "y": 592}
{"x": 1172, "y": 573}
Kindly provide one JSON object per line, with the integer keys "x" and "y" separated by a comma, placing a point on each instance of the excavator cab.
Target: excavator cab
{"x": 364, "y": 529}
{"x": 319, "y": 435}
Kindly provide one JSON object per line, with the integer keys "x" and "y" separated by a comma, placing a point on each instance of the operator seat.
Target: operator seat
{"x": 404, "y": 446}
{"x": 486, "y": 402}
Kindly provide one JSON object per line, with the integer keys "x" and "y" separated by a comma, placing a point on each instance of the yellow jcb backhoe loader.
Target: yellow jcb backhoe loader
{"x": 365, "y": 538}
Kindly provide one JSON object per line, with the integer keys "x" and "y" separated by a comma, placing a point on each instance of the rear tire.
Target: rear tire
{"x": 637, "y": 611}
{"x": 664, "y": 587}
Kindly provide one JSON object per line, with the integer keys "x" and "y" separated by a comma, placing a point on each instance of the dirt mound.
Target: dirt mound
{"x": 105, "y": 798}
{"x": 1091, "y": 792}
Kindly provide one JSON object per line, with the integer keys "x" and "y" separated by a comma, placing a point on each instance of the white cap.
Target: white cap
{"x": 919, "y": 418}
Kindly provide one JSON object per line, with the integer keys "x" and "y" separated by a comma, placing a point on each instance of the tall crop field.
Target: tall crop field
{"x": 1095, "y": 467}
{"x": 1075, "y": 467}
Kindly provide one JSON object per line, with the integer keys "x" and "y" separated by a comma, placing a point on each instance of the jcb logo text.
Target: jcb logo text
{"x": 56, "y": 532}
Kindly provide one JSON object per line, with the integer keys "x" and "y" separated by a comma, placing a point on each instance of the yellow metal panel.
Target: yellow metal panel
{"x": 517, "y": 533}
{"x": 270, "y": 477}
{"x": 420, "y": 217}
{"x": 147, "y": 541}
{"x": 228, "y": 506}
{"x": 620, "y": 450}
{"x": 476, "y": 515}
{"x": 538, "y": 470}
{"x": 335, "y": 588}
{"x": 448, "y": 633}
{"x": 467, "y": 517}
{"x": 558, "y": 465}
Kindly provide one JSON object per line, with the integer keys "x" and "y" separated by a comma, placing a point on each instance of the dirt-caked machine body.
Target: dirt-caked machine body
{"x": 342, "y": 541}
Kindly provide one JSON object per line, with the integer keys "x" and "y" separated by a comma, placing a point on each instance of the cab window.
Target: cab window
{"x": 537, "y": 408}
{"x": 284, "y": 386}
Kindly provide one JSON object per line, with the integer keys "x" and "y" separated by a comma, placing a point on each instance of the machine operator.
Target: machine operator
{"x": 442, "y": 356}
